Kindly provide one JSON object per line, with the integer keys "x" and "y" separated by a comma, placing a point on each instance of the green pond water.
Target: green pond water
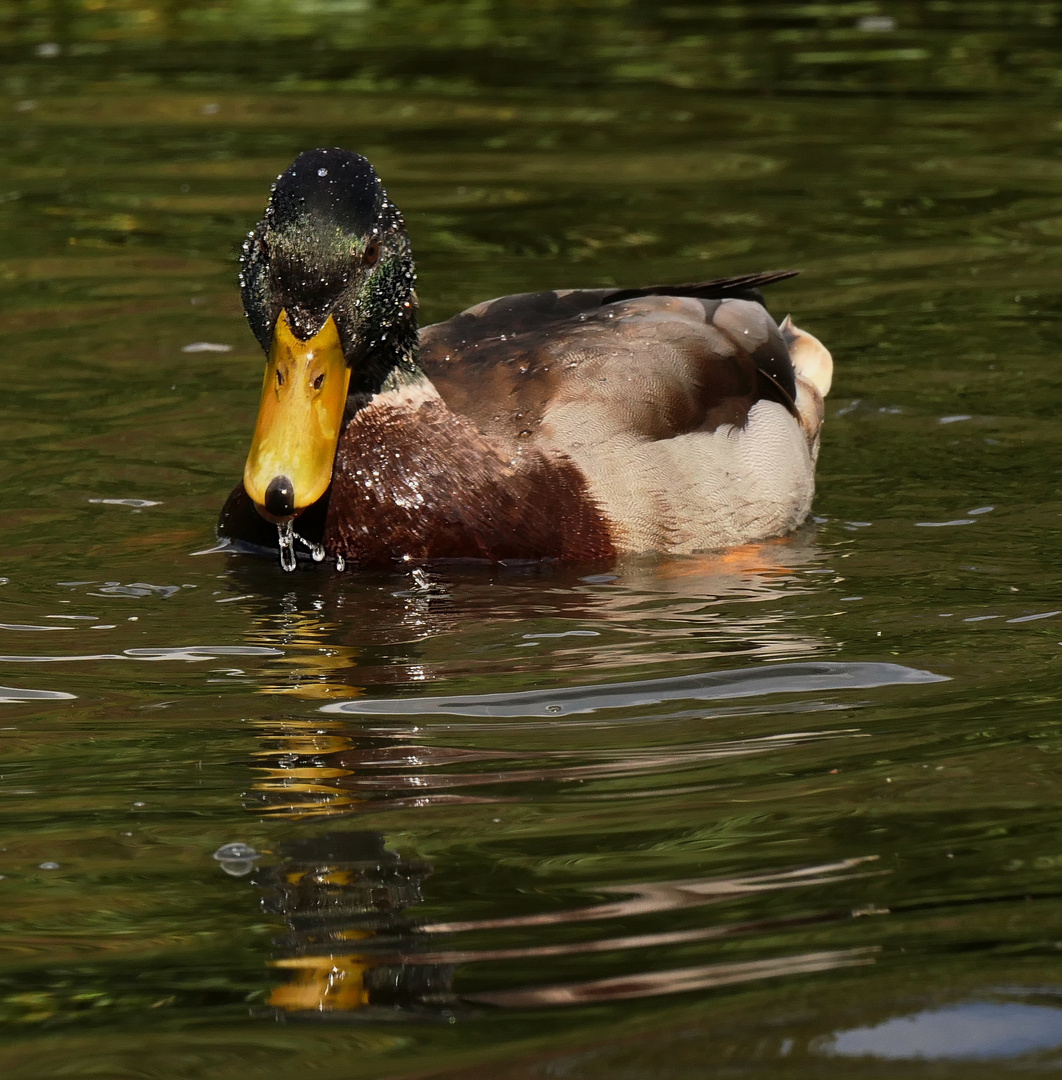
{"x": 789, "y": 811}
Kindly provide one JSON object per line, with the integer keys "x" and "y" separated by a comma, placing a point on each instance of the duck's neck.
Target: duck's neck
{"x": 388, "y": 338}
{"x": 404, "y": 376}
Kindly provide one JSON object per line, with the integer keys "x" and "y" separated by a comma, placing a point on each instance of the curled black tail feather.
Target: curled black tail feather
{"x": 741, "y": 287}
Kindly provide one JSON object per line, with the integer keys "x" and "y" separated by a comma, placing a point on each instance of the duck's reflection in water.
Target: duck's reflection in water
{"x": 343, "y": 896}
{"x": 352, "y": 948}
{"x": 354, "y": 943}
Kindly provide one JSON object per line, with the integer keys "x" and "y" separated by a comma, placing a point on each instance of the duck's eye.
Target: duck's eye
{"x": 319, "y": 381}
{"x": 280, "y": 377}
{"x": 372, "y": 253}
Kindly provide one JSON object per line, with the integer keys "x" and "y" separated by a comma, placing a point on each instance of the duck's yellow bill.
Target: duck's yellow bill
{"x": 303, "y": 397}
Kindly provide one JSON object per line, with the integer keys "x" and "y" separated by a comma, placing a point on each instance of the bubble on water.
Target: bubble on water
{"x": 236, "y": 858}
{"x": 286, "y": 537}
{"x": 235, "y": 850}
{"x": 49, "y": 866}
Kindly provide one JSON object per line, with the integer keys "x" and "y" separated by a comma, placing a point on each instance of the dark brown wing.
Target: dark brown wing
{"x": 662, "y": 360}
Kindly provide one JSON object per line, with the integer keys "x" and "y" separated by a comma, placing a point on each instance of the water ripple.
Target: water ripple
{"x": 654, "y": 896}
{"x": 676, "y": 981}
{"x": 9, "y": 694}
{"x": 177, "y": 652}
{"x": 712, "y": 686}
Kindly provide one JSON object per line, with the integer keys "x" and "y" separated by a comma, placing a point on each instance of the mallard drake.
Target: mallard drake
{"x": 577, "y": 424}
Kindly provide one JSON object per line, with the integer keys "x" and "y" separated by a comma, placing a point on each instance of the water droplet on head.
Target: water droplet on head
{"x": 322, "y": 172}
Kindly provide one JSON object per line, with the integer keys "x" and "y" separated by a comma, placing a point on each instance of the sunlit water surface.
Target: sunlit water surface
{"x": 786, "y": 811}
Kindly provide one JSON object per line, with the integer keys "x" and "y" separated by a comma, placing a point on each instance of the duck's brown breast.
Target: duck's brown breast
{"x": 414, "y": 481}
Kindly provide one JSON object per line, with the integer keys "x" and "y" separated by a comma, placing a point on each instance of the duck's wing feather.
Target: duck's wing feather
{"x": 654, "y": 362}
{"x": 522, "y": 312}
{"x": 741, "y": 287}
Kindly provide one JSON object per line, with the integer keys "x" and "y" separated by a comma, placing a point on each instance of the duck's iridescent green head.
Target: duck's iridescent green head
{"x": 328, "y": 288}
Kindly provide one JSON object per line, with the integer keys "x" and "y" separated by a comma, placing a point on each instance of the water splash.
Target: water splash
{"x": 286, "y": 536}
{"x": 424, "y": 585}
{"x": 341, "y": 564}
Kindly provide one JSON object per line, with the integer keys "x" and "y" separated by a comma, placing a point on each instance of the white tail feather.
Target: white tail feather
{"x": 810, "y": 357}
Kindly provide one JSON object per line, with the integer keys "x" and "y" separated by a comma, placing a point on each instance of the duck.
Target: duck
{"x": 574, "y": 425}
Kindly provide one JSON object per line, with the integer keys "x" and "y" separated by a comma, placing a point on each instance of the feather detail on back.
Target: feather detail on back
{"x": 685, "y": 414}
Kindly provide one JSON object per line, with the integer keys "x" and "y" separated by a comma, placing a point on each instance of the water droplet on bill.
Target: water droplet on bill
{"x": 286, "y": 538}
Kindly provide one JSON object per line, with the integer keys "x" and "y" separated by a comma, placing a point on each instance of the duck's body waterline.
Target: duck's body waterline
{"x": 577, "y": 425}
